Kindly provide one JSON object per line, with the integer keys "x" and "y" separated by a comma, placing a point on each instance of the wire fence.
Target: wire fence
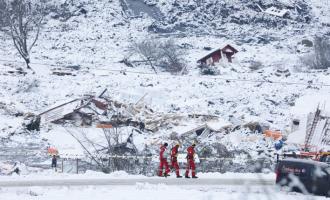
{"x": 149, "y": 165}
{"x": 142, "y": 164}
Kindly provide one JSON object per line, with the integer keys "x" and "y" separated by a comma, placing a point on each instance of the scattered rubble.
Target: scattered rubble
{"x": 276, "y": 11}
{"x": 64, "y": 72}
{"x": 103, "y": 111}
{"x": 91, "y": 110}
{"x": 9, "y": 169}
{"x": 282, "y": 72}
{"x": 256, "y": 127}
{"x": 34, "y": 124}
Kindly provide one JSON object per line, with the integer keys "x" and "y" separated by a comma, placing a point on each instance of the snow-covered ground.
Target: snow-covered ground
{"x": 141, "y": 187}
{"x": 100, "y": 39}
{"x": 122, "y": 178}
{"x": 97, "y": 41}
{"x": 150, "y": 192}
{"x": 51, "y": 175}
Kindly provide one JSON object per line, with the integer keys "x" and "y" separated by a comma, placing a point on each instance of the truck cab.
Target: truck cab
{"x": 306, "y": 176}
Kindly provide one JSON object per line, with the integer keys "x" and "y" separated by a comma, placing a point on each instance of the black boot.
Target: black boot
{"x": 194, "y": 177}
{"x": 166, "y": 175}
{"x": 187, "y": 176}
{"x": 179, "y": 176}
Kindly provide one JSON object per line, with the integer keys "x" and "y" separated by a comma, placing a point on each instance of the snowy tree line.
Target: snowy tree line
{"x": 319, "y": 58}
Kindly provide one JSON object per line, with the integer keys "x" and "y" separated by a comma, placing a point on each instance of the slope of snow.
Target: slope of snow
{"x": 98, "y": 41}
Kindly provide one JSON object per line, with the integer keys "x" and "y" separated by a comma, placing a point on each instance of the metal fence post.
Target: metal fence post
{"x": 62, "y": 166}
{"x": 77, "y": 165}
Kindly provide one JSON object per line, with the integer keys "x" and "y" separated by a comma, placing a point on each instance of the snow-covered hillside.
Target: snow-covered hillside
{"x": 89, "y": 39}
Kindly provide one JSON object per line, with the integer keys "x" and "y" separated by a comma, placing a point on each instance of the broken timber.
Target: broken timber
{"x": 60, "y": 111}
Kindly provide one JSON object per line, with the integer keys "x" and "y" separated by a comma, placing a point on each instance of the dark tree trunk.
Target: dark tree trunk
{"x": 27, "y": 61}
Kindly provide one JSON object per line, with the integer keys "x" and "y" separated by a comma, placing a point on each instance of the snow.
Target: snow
{"x": 297, "y": 137}
{"x": 308, "y": 103}
{"x": 148, "y": 191}
{"x": 145, "y": 190}
{"x": 184, "y": 128}
{"x": 64, "y": 142}
{"x": 142, "y": 191}
{"x": 98, "y": 41}
{"x": 321, "y": 10}
{"x": 50, "y": 174}
{"x": 218, "y": 125}
{"x": 303, "y": 107}
{"x": 8, "y": 125}
{"x": 287, "y": 2}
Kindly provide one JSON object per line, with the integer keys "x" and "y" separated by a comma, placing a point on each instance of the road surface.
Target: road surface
{"x": 21, "y": 182}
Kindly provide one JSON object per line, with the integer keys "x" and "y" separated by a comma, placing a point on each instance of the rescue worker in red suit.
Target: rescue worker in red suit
{"x": 163, "y": 161}
{"x": 191, "y": 162}
{"x": 174, "y": 160}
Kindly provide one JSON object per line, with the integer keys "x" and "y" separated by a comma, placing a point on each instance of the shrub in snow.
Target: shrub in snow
{"x": 27, "y": 85}
{"x": 166, "y": 55}
{"x": 206, "y": 152}
{"x": 171, "y": 57}
{"x": 222, "y": 150}
{"x": 209, "y": 70}
{"x": 255, "y": 65}
{"x": 148, "y": 51}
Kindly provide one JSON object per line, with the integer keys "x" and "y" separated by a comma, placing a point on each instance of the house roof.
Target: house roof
{"x": 227, "y": 47}
{"x": 209, "y": 55}
{"x": 217, "y": 50}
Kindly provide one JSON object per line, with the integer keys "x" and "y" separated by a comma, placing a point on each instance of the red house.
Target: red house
{"x": 214, "y": 57}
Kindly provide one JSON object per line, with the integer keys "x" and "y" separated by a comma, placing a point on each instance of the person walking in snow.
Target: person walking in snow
{"x": 191, "y": 162}
{"x": 174, "y": 160}
{"x": 163, "y": 161}
{"x": 54, "y": 162}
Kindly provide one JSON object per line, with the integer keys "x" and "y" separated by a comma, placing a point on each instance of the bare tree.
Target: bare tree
{"x": 171, "y": 57}
{"x": 166, "y": 55}
{"x": 95, "y": 151}
{"x": 24, "y": 18}
{"x": 106, "y": 151}
{"x": 147, "y": 50}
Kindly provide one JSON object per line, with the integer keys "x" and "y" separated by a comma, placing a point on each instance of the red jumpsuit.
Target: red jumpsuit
{"x": 163, "y": 162}
{"x": 174, "y": 160}
{"x": 190, "y": 161}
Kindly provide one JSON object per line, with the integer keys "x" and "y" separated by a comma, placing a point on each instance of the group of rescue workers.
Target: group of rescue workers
{"x": 174, "y": 161}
